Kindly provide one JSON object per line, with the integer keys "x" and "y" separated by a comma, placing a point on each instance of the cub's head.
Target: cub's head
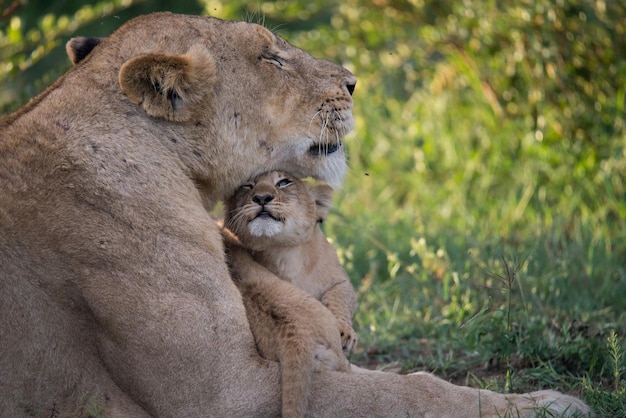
{"x": 276, "y": 210}
{"x": 238, "y": 97}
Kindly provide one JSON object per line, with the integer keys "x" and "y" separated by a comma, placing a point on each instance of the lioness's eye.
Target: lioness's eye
{"x": 284, "y": 183}
{"x": 277, "y": 60}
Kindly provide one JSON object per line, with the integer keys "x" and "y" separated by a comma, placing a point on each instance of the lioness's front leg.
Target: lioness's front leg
{"x": 365, "y": 393}
{"x": 178, "y": 341}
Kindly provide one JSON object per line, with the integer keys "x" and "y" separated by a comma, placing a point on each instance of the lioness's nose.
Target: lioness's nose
{"x": 350, "y": 82}
{"x": 263, "y": 199}
{"x": 350, "y": 86}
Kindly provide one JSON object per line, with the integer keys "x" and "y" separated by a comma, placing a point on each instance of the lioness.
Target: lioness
{"x": 115, "y": 294}
{"x": 275, "y": 217}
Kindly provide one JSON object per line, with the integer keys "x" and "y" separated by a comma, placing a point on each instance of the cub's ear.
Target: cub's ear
{"x": 323, "y": 194}
{"x": 172, "y": 87}
{"x": 78, "y": 48}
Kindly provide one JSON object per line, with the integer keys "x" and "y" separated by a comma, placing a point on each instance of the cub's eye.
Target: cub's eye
{"x": 247, "y": 186}
{"x": 283, "y": 183}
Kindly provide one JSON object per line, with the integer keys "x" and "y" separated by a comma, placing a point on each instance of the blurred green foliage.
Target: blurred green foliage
{"x": 33, "y": 34}
{"x": 486, "y": 131}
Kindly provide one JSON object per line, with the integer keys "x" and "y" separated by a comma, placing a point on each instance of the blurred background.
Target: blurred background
{"x": 483, "y": 219}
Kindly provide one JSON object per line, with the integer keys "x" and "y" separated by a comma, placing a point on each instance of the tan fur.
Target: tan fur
{"x": 299, "y": 252}
{"x": 114, "y": 289}
{"x": 289, "y": 325}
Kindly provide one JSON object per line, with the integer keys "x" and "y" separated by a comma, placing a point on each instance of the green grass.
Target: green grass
{"x": 488, "y": 319}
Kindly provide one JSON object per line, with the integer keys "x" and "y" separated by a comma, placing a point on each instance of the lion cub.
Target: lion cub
{"x": 276, "y": 219}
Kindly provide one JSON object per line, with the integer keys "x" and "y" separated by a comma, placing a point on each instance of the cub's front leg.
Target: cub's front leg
{"x": 341, "y": 301}
{"x": 289, "y": 326}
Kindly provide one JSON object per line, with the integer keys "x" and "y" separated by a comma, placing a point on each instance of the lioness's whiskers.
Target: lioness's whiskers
{"x": 323, "y": 135}
{"x": 315, "y": 115}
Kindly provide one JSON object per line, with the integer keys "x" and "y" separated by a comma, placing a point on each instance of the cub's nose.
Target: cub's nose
{"x": 262, "y": 199}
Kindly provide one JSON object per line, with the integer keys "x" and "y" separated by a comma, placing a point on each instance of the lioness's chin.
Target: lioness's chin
{"x": 333, "y": 172}
{"x": 329, "y": 168}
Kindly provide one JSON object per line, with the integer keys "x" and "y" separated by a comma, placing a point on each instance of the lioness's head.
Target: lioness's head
{"x": 232, "y": 98}
{"x": 276, "y": 209}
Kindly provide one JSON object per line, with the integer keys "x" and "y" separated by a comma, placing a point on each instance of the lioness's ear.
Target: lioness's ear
{"x": 78, "y": 48}
{"x": 173, "y": 87}
{"x": 323, "y": 200}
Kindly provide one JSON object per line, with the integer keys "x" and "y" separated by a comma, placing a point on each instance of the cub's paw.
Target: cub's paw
{"x": 348, "y": 337}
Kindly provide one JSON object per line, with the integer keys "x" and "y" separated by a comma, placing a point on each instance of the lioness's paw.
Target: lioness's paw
{"x": 559, "y": 404}
{"x": 348, "y": 338}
